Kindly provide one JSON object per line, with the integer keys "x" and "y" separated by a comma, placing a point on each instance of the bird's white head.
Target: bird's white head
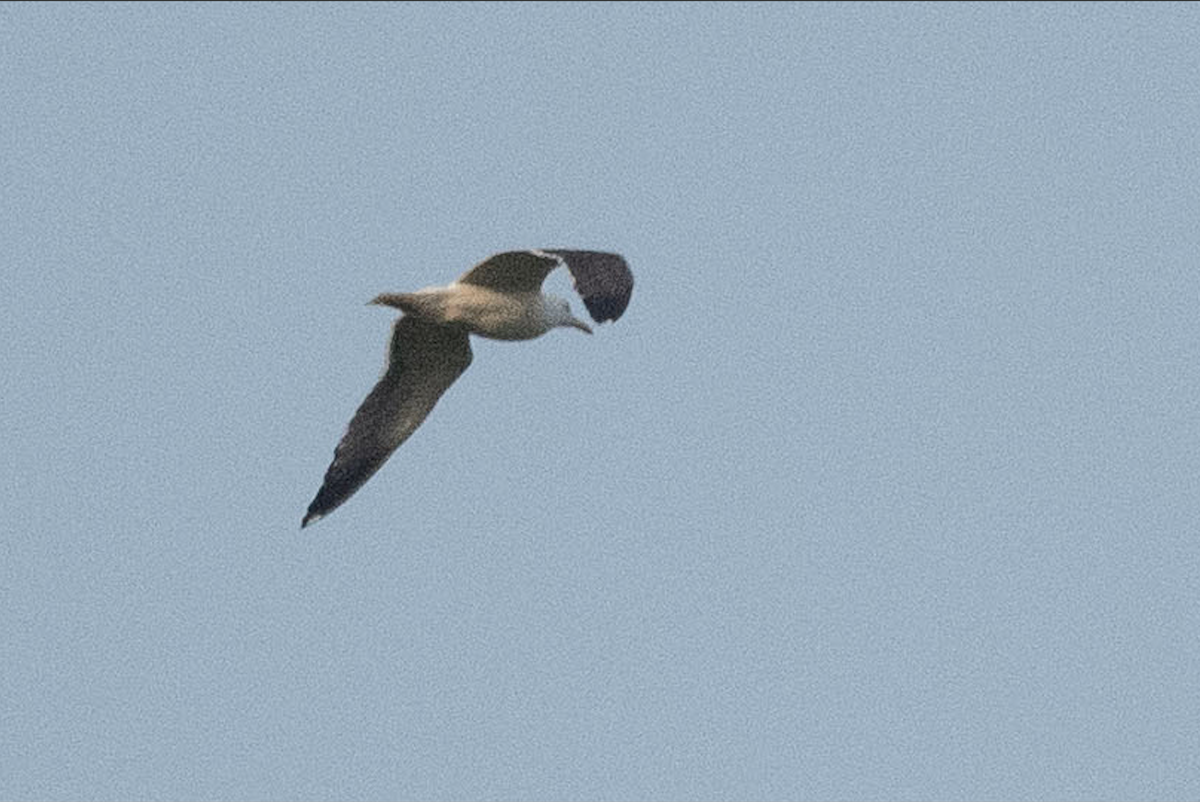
{"x": 558, "y": 313}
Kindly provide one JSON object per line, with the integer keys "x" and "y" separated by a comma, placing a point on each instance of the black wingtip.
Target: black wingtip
{"x": 602, "y": 279}
{"x": 603, "y": 308}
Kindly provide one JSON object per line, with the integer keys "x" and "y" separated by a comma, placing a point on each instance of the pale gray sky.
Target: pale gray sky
{"x": 883, "y": 487}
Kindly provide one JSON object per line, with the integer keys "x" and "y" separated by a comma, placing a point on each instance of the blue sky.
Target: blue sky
{"x": 884, "y": 486}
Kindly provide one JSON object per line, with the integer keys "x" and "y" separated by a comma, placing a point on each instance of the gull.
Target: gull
{"x": 500, "y": 298}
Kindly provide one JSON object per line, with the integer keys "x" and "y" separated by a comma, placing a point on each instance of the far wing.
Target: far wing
{"x": 603, "y": 280}
{"x": 512, "y": 271}
{"x": 424, "y": 359}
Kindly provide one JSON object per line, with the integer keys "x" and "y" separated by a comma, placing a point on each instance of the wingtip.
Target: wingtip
{"x": 606, "y": 308}
{"x": 310, "y": 517}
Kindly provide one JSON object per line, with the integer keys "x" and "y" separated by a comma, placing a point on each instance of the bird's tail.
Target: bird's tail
{"x": 420, "y": 304}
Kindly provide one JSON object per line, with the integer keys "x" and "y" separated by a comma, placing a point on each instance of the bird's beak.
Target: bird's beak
{"x": 579, "y": 324}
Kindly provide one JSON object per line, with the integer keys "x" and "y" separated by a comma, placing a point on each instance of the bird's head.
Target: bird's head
{"x": 558, "y": 313}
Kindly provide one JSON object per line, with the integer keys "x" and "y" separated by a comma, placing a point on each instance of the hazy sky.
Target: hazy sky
{"x": 884, "y": 487}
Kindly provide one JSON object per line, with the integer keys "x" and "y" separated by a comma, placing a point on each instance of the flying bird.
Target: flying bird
{"x": 500, "y": 298}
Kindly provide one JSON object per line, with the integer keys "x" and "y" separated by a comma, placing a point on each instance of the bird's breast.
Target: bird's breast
{"x": 498, "y": 315}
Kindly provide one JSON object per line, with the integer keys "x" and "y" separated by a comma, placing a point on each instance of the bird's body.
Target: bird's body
{"x": 500, "y": 298}
{"x": 484, "y": 311}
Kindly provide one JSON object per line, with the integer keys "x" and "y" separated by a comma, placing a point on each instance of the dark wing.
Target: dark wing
{"x": 424, "y": 359}
{"x": 512, "y": 271}
{"x": 603, "y": 280}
